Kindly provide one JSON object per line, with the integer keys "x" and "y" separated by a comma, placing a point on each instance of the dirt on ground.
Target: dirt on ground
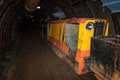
{"x": 36, "y": 61}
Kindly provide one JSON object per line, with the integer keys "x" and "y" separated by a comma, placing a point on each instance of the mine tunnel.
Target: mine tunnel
{"x": 25, "y": 52}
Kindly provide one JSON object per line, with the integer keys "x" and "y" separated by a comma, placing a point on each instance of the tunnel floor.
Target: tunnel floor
{"x": 36, "y": 61}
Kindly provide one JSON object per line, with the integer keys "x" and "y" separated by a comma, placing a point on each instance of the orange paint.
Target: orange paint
{"x": 74, "y": 20}
{"x": 83, "y": 53}
{"x": 60, "y": 45}
{"x": 80, "y": 56}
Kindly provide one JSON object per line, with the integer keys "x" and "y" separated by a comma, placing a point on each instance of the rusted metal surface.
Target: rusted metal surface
{"x": 31, "y": 5}
{"x": 105, "y": 57}
{"x": 74, "y": 20}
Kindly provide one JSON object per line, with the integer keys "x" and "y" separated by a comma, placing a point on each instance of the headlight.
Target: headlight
{"x": 90, "y": 26}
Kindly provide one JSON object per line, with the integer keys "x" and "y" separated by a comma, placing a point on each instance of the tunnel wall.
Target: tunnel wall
{"x": 11, "y": 18}
{"x": 116, "y": 20}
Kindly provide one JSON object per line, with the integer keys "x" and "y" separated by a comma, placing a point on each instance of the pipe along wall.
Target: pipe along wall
{"x": 11, "y": 20}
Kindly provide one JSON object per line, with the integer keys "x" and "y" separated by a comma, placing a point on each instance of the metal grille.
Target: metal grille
{"x": 100, "y": 28}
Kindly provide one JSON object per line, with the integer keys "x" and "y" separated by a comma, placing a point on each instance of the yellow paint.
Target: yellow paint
{"x": 56, "y": 31}
{"x": 106, "y": 32}
{"x": 84, "y": 36}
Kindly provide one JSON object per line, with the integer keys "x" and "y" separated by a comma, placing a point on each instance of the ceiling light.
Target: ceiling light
{"x": 38, "y": 7}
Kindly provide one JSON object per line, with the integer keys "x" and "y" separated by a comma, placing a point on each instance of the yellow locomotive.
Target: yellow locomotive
{"x": 71, "y": 39}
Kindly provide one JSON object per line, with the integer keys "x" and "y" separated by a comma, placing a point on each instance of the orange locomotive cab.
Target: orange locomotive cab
{"x": 71, "y": 39}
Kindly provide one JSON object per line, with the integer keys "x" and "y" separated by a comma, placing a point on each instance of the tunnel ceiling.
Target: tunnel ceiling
{"x": 11, "y": 19}
{"x": 71, "y": 8}
{"x": 113, "y": 5}
{"x": 65, "y": 8}
{"x": 60, "y": 9}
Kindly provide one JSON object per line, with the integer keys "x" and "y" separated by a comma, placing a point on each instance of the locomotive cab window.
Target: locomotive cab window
{"x": 99, "y": 28}
{"x": 71, "y": 37}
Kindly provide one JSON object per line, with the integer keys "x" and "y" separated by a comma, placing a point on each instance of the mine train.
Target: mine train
{"x": 70, "y": 39}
